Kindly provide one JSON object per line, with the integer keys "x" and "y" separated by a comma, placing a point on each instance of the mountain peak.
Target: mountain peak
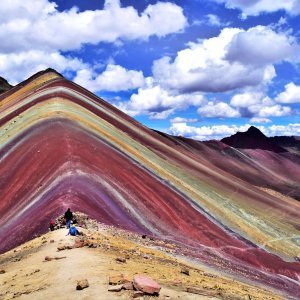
{"x": 254, "y": 131}
{"x": 253, "y": 138}
{"x": 4, "y": 85}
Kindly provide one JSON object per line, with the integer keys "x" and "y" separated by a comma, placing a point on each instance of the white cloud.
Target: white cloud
{"x": 246, "y": 99}
{"x": 274, "y": 111}
{"x": 256, "y": 7}
{"x": 220, "y": 131}
{"x": 234, "y": 59}
{"x": 21, "y": 10}
{"x": 18, "y": 66}
{"x": 33, "y": 34}
{"x": 115, "y": 78}
{"x": 292, "y": 129}
{"x": 161, "y": 115}
{"x": 261, "y": 46}
{"x": 219, "y": 110}
{"x": 260, "y": 120}
{"x": 156, "y": 102}
{"x": 290, "y": 95}
{"x": 210, "y": 20}
{"x": 213, "y": 20}
{"x": 205, "y": 132}
{"x": 257, "y": 104}
{"x": 26, "y": 24}
{"x": 183, "y": 120}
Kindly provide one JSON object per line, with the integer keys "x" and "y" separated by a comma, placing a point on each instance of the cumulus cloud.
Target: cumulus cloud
{"x": 25, "y": 23}
{"x": 219, "y": 110}
{"x": 115, "y": 78}
{"x": 234, "y": 59}
{"x": 34, "y": 33}
{"x": 261, "y": 45}
{"x": 183, "y": 120}
{"x": 205, "y": 132}
{"x": 18, "y": 66}
{"x": 246, "y": 99}
{"x": 256, "y": 7}
{"x": 157, "y": 102}
{"x": 257, "y": 104}
{"x": 292, "y": 129}
{"x": 274, "y": 111}
{"x": 219, "y": 131}
{"x": 290, "y": 95}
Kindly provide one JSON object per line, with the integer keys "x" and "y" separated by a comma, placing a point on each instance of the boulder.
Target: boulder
{"x": 146, "y": 284}
{"x": 2, "y": 271}
{"x": 82, "y": 284}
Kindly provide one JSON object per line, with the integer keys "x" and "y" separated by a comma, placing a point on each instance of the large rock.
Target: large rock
{"x": 146, "y": 284}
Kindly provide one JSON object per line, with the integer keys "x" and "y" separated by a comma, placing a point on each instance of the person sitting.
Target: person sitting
{"x": 73, "y": 231}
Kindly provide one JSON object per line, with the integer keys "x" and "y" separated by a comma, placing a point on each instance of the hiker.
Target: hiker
{"x": 68, "y": 217}
{"x": 52, "y": 224}
{"x": 73, "y": 231}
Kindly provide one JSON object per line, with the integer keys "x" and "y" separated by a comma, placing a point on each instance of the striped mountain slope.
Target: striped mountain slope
{"x": 61, "y": 146}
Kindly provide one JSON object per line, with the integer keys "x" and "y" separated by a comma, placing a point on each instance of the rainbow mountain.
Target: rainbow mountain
{"x": 232, "y": 208}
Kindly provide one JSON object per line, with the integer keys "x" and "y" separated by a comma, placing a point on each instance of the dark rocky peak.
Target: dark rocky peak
{"x": 253, "y": 138}
{"x": 255, "y": 132}
{"x": 4, "y": 85}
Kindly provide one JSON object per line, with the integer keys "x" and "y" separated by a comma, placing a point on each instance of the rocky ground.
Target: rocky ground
{"x": 105, "y": 263}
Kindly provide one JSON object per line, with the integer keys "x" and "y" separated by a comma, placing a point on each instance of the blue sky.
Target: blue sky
{"x": 198, "y": 68}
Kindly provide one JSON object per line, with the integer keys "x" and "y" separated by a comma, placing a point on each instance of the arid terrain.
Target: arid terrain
{"x": 29, "y": 276}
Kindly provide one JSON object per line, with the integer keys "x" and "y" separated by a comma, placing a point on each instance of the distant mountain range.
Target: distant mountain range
{"x": 253, "y": 138}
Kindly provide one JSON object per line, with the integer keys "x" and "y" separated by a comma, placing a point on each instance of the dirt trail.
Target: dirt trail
{"x": 29, "y": 276}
